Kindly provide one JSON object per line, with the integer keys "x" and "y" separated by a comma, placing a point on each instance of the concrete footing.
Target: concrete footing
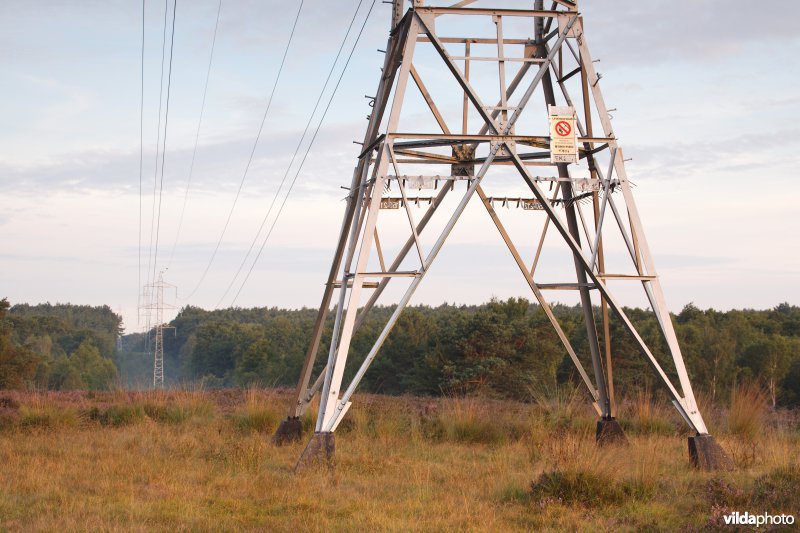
{"x": 609, "y": 432}
{"x": 319, "y": 452}
{"x": 706, "y": 454}
{"x": 290, "y": 430}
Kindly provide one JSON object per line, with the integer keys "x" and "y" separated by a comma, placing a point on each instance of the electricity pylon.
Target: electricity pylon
{"x": 474, "y": 47}
{"x": 154, "y": 306}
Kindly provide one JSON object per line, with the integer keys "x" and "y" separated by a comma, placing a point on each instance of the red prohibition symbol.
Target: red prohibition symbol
{"x": 563, "y": 128}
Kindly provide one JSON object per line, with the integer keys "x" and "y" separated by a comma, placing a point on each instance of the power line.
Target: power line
{"x": 252, "y": 153}
{"x": 141, "y": 164}
{"x": 294, "y": 156}
{"x": 308, "y": 149}
{"x": 164, "y": 146}
{"x": 158, "y": 146}
{"x": 196, "y": 136}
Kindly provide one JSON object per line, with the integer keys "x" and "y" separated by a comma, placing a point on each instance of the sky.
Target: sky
{"x": 706, "y": 107}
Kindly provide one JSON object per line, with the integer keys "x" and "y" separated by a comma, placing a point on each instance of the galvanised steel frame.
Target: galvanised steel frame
{"x": 154, "y": 306}
{"x": 557, "y": 57}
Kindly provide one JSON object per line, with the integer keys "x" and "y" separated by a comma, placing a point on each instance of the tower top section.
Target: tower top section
{"x": 399, "y": 6}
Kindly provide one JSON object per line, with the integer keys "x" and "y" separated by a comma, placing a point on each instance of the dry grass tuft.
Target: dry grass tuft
{"x": 178, "y": 407}
{"x": 646, "y": 416}
{"x": 470, "y": 420}
{"x": 746, "y": 423}
{"x": 465, "y": 420}
{"x": 259, "y": 413}
{"x": 746, "y": 415}
{"x": 41, "y": 412}
{"x": 117, "y": 415}
{"x": 562, "y": 408}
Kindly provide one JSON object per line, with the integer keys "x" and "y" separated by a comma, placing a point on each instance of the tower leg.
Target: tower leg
{"x": 706, "y": 454}
{"x": 608, "y": 429}
{"x": 289, "y": 430}
{"x": 318, "y": 453}
{"x": 609, "y": 432}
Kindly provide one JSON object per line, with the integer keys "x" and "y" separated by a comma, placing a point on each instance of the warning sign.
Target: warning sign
{"x": 563, "y": 128}
{"x": 563, "y": 142}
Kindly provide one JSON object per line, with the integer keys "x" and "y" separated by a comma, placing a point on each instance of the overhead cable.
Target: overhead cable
{"x": 305, "y": 155}
{"x": 155, "y": 171}
{"x": 164, "y": 146}
{"x": 294, "y": 156}
{"x": 196, "y": 136}
{"x": 141, "y": 165}
{"x": 252, "y": 153}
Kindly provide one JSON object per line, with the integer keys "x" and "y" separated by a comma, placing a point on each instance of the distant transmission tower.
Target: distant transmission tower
{"x": 512, "y": 115}
{"x": 154, "y": 308}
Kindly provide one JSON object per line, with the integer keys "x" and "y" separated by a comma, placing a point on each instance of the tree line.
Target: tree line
{"x": 502, "y": 349}
{"x": 59, "y": 346}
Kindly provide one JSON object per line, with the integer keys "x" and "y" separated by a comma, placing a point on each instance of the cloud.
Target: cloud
{"x": 219, "y": 166}
{"x": 658, "y": 31}
{"x": 715, "y": 155}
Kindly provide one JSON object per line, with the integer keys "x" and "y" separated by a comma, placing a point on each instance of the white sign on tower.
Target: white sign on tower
{"x": 563, "y": 142}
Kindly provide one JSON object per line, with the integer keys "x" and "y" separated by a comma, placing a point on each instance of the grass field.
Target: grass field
{"x": 180, "y": 460}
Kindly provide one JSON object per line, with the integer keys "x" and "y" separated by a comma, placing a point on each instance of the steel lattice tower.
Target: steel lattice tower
{"x": 154, "y": 306}
{"x": 486, "y": 126}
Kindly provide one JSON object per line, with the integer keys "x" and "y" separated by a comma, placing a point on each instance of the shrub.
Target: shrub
{"x": 171, "y": 414}
{"x": 179, "y": 412}
{"x": 46, "y": 417}
{"x": 778, "y": 489}
{"x": 9, "y": 418}
{"x": 117, "y": 415}
{"x": 7, "y": 402}
{"x": 722, "y": 494}
{"x": 585, "y": 487}
{"x": 9, "y": 413}
{"x": 775, "y": 491}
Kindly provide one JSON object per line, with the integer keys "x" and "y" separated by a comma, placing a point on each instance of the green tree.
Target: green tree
{"x": 69, "y": 325}
{"x": 769, "y": 359}
{"x": 64, "y": 375}
{"x": 17, "y": 363}
{"x": 708, "y": 344}
{"x": 96, "y": 372}
{"x": 252, "y": 369}
{"x": 262, "y": 363}
{"x": 219, "y": 346}
{"x": 790, "y": 385}
{"x": 401, "y": 366}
